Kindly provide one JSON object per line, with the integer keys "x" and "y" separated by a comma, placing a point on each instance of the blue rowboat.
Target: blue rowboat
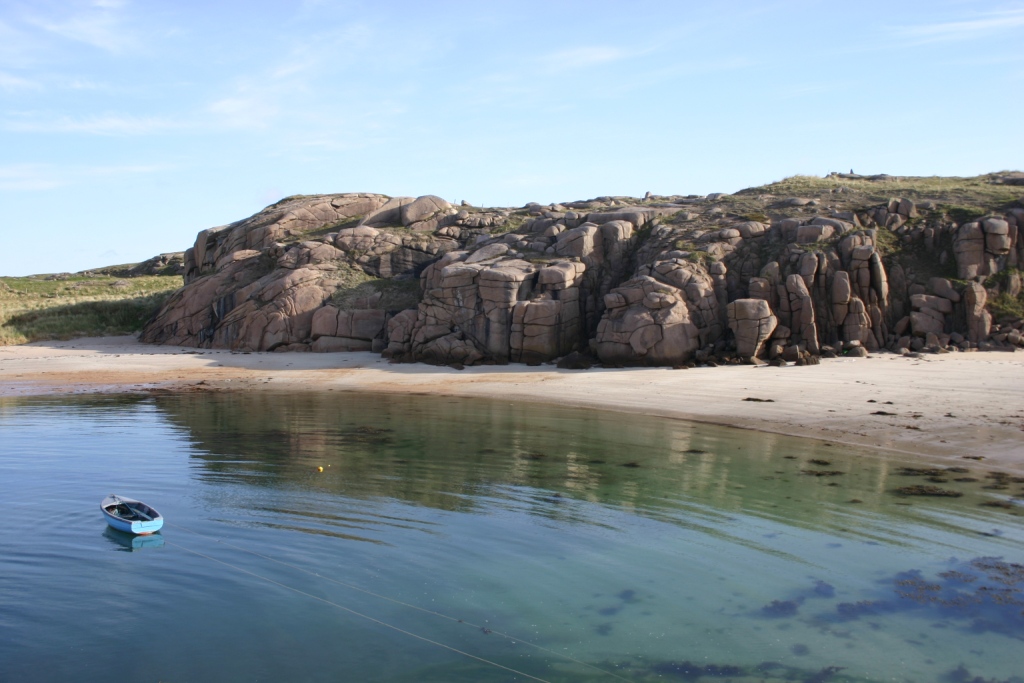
{"x": 132, "y": 516}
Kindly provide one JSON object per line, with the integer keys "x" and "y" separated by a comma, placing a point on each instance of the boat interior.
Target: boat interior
{"x": 135, "y": 513}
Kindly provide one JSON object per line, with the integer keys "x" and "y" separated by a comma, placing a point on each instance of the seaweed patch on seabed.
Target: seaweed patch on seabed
{"x": 962, "y": 675}
{"x": 766, "y": 672}
{"x": 986, "y": 594}
{"x": 641, "y": 670}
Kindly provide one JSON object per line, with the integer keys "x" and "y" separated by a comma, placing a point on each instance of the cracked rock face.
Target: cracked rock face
{"x": 752, "y": 322}
{"x": 661, "y": 281}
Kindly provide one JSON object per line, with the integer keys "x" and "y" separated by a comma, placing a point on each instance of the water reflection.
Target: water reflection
{"x": 460, "y": 455}
{"x": 650, "y": 548}
{"x": 131, "y": 542}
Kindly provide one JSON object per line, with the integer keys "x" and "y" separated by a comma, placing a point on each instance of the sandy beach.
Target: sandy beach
{"x": 939, "y": 408}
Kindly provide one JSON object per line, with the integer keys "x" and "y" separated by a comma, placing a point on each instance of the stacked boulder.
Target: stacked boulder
{"x": 752, "y": 323}
{"x": 982, "y": 247}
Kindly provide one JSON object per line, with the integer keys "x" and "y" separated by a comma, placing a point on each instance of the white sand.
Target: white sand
{"x": 946, "y": 406}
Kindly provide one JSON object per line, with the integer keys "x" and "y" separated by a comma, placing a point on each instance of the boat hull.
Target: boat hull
{"x": 139, "y": 527}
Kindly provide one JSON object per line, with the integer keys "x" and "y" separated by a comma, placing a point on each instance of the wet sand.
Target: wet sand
{"x": 940, "y": 408}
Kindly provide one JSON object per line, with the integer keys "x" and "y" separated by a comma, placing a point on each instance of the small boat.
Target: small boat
{"x": 132, "y": 516}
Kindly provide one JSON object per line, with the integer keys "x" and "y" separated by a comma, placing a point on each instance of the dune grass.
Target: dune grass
{"x": 978, "y": 191}
{"x": 42, "y": 307}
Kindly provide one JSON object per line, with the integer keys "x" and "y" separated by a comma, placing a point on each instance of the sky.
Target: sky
{"x": 128, "y": 126}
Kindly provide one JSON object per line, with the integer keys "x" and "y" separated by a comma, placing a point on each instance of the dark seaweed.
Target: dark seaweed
{"x": 984, "y": 595}
{"x": 856, "y": 610}
{"x": 780, "y": 608}
{"x": 689, "y": 671}
{"x": 962, "y": 675}
{"x": 927, "y": 491}
{"x": 825, "y": 674}
{"x": 824, "y": 590}
{"x": 919, "y": 472}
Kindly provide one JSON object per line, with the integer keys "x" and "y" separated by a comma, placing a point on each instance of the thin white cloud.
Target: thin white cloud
{"x": 100, "y": 26}
{"x": 27, "y": 178}
{"x": 285, "y": 89}
{"x": 110, "y": 124}
{"x": 39, "y": 177}
{"x": 582, "y": 58}
{"x": 967, "y": 29}
{"x": 11, "y": 82}
{"x": 249, "y": 111}
{"x": 16, "y": 49}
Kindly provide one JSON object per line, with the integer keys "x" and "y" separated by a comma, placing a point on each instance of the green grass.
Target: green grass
{"x": 694, "y": 254}
{"x": 38, "y": 308}
{"x": 323, "y": 230}
{"x": 963, "y": 214}
{"x": 513, "y": 223}
{"x": 356, "y": 286}
{"x": 978, "y": 191}
{"x": 888, "y": 242}
{"x": 396, "y": 295}
{"x": 1005, "y": 306}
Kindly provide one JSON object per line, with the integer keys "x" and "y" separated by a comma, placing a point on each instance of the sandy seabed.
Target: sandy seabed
{"x": 940, "y": 408}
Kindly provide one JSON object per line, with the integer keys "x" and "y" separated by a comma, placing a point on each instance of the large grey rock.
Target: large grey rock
{"x": 752, "y": 323}
{"x": 937, "y": 303}
{"x": 979, "y": 320}
{"x": 944, "y": 288}
{"x": 801, "y": 308}
{"x": 422, "y": 209}
{"x": 491, "y": 251}
{"x": 969, "y": 251}
{"x": 997, "y": 236}
{"x": 661, "y": 318}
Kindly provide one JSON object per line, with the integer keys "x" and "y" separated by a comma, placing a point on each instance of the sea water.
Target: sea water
{"x": 472, "y": 540}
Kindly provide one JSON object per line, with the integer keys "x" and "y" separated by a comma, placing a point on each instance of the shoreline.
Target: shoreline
{"x": 959, "y": 405}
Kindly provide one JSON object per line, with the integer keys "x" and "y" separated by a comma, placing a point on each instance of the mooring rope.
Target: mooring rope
{"x": 405, "y": 604}
{"x": 359, "y": 614}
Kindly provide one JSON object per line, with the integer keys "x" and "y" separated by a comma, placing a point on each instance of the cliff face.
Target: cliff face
{"x": 788, "y": 271}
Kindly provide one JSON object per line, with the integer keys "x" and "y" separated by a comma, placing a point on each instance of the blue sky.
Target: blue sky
{"x": 126, "y": 127}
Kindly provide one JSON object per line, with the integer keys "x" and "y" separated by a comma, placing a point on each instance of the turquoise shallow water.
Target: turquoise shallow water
{"x": 562, "y": 544}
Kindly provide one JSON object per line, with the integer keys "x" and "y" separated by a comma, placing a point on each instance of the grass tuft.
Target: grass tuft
{"x": 38, "y": 308}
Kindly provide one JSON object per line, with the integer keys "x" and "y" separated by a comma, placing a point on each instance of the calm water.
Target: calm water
{"x": 565, "y": 545}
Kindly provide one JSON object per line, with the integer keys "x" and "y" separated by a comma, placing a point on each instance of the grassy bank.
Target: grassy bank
{"x": 43, "y": 307}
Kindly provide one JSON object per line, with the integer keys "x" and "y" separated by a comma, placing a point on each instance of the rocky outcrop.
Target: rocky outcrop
{"x": 658, "y": 281}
